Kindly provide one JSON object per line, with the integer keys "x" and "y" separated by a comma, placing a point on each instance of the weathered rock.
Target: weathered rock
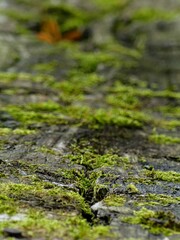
{"x": 89, "y": 131}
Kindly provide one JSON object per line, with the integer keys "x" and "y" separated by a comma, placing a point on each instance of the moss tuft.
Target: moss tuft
{"x": 156, "y": 222}
{"x": 114, "y": 200}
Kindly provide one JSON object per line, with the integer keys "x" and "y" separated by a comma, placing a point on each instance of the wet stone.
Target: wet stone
{"x": 89, "y": 130}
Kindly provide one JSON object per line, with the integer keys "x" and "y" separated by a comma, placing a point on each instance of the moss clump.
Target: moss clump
{"x": 77, "y": 85}
{"x": 110, "y": 6}
{"x": 169, "y": 176}
{"x": 156, "y": 199}
{"x": 131, "y": 188}
{"x": 163, "y": 139}
{"x": 170, "y": 111}
{"x": 118, "y": 117}
{"x": 35, "y": 114}
{"x": 38, "y": 224}
{"x": 5, "y": 131}
{"x": 92, "y": 160}
{"x": 7, "y": 77}
{"x": 152, "y": 14}
{"x": 156, "y": 222}
{"x": 119, "y": 88}
{"x": 42, "y": 221}
{"x": 163, "y": 199}
{"x": 46, "y": 67}
{"x": 7, "y": 205}
{"x": 114, "y": 200}
{"x": 44, "y": 149}
{"x": 18, "y": 131}
{"x": 46, "y": 196}
{"x": 125, "y": 101}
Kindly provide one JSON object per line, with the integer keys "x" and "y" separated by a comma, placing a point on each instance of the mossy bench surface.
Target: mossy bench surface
{"x": 89, "y": 130}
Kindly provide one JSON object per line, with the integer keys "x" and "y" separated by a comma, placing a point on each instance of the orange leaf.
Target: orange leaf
{"x": 50, "y": 31}
{"x": 73, "y": 35}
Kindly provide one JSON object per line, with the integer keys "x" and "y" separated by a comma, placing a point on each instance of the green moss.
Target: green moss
{"x": 18, "y": 15}
{"x": 156, "y": 222}
{"x": 5, "y": 131}
{"x": 53, "y": 113}
{"x": 152, "y": 14}
{"x": 163, "y": 199}
{"x": 38, "y": 224}
{"x": 92, "y": 160}
{"x": 28, "y": 115}
{"x": 7, "y": 205}
{"x": 171, "y": 124}
{"x": 46, "y": 67}
{"x": 109, "y": 6}
{"x": 48, "y": 106}
{"x": 131, "y": 188}
{"x": 77, "y": 84}
{"x": 68, "y": 16}
{"x": 169, "y": 176}
{"x": 7, "y": 77}
{"x": 113, "y": 55}
{"x": 63, "y": 222}
{"x": 118, "y": 117}
{"x": 163, "y": 139}
{"x": 44, "y": 149}
{"x": 18, "y": 131}
{"x": 46, "y": 195}
{"x": 125, "y": 101}
{"x": 114, "y": 200}
{"x": 156, "y": 199}
{"x": 170, "y": 111}
{"x": 120, "y": 88}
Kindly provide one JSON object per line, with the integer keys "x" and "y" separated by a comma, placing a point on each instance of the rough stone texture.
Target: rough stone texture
{"x": 47, "y": 136}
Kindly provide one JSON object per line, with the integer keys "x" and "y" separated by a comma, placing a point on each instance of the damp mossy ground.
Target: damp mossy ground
{"x": 155, "y": 221}
{"x": 51, "y": 220}
{"x": 54, "y": 179}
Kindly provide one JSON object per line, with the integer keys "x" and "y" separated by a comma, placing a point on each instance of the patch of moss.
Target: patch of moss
{"x": 38, "y": 224}
{"x": 46, "y": 195}
{"x": 68, "y": 16}
{"x": 119, "y": 117}
{"x": 28, "y": 117}
{"x": 7, "y": 205}
{"x": 118, "y": 89}
{"x": 110, "y": 6}
{"x": 77, "y": 84}
{"x": 163, "y": 139}
{"x": 156, "y": 199}
{"x": 7, "y": 77}
{"x": 42, "y": 221}
{"x": 18, "y": 131}
{"x": 5, "y": 131}
{"x": 113, "y": 55}
{"x": 18, "y": 15}
{"x": 170, "y": 111}
{"x": 169, "y": 176}
{"x": 92, "y": 160}
{"x": 156, "y": 222}
{"x": 152, "y": 14}
{"x": 53, "y": 113}
{"x": 163, "y": 199}
{"x": 131, "y": 188}
{"x": 44, "y": 149}
{"x": 46, "y": 67}
{"x": 114, "y": 200}
{"x": 126, "y": 101}
{"x": 171, "y": 124}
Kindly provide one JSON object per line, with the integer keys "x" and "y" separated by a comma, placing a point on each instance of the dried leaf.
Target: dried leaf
{"x": 73, "y": 35}
{"x": 50, "y": 32}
